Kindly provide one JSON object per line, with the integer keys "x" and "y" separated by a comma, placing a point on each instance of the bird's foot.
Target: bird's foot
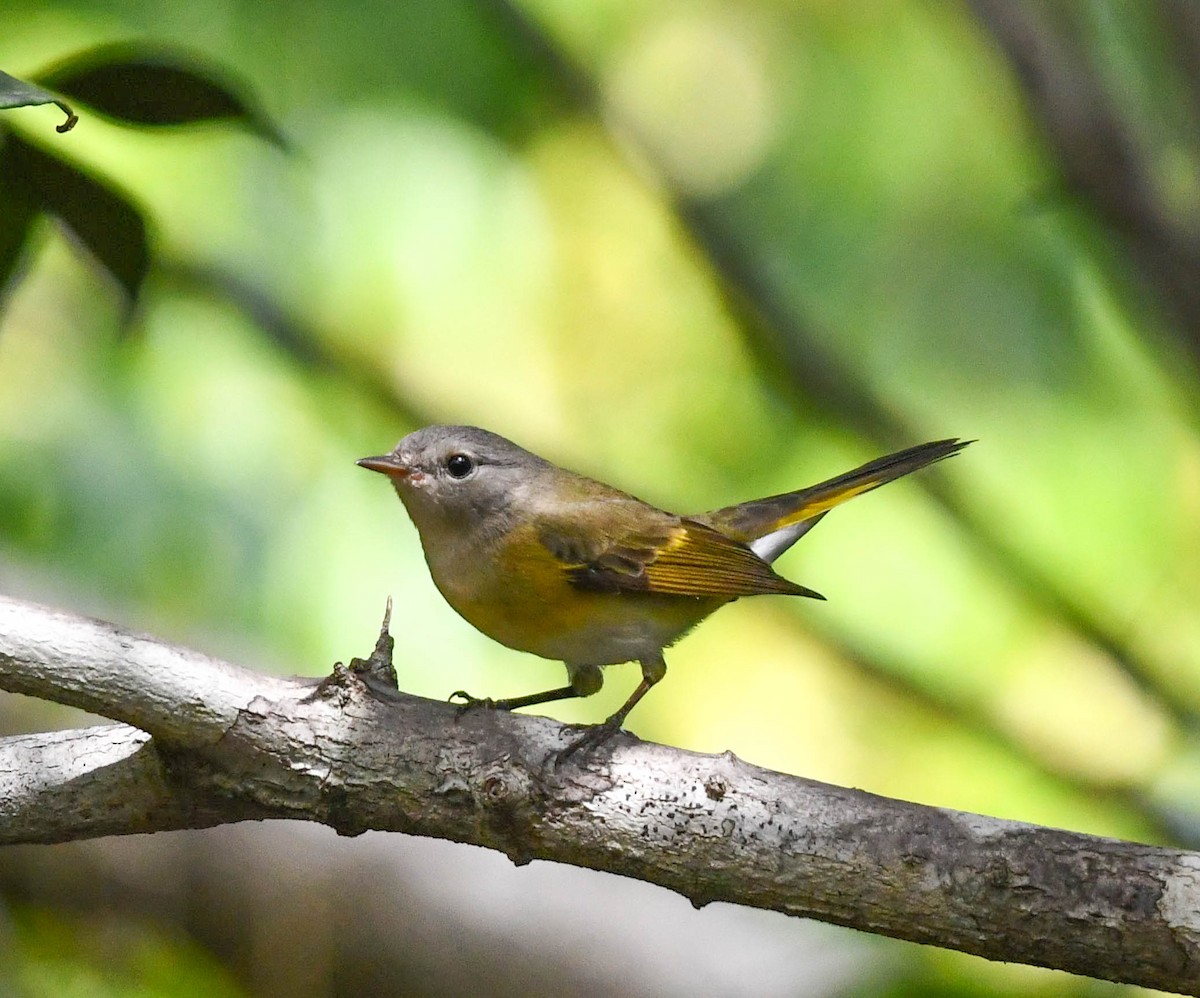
{"x": 468, "y": 702}
{"x": 592, "y": 737}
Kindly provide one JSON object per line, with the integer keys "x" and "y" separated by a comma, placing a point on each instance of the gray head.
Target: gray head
{"x": 456, "y": 476}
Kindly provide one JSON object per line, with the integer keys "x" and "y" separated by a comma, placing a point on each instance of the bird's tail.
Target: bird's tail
{"x": 770, "y": 526}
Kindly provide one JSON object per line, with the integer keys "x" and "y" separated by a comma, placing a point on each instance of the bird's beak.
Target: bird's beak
{"x": 385, "y": 464}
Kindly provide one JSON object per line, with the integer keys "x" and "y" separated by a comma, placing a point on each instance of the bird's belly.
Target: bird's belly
{"x": 587, "y": 628}
{"x": 532, "y": 607}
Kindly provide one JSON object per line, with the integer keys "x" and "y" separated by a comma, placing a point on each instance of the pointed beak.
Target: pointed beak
{"x": 385, "y": 464}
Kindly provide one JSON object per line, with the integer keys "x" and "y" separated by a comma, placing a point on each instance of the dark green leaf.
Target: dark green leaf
{"x": 18, "y": 93}
{"x": 155, "y": 86}
{"x": 100, "y": 217}
{"x": 18, "y": 212}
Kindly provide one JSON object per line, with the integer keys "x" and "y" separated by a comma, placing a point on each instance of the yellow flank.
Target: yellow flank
{"x": 522, "y": 595}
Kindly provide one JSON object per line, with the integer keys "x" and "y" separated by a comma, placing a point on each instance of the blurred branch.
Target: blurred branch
{"x": 227, "y": 744}
{"x": 1099, "y": 157}
{"x": 793, "y": 352}
{"x": 1131, "y": 800}
{"x": 1181, "y": 19}
{"x": 305, "y": 346}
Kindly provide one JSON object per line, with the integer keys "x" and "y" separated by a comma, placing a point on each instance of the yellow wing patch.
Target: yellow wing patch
{"x": 686, "y": 559}
{"x": 700, "y": 561}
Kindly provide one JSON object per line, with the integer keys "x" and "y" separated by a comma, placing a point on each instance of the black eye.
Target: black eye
{"x": 459, "y": 465}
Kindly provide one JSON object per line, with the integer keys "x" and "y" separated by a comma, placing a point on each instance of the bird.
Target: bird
{"x": 554, "y": 563}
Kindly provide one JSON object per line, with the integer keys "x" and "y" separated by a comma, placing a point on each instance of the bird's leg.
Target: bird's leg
{"x": 585, "y": 680}
{"x": 653, "y": 669}
{"x": 512, "y": 703}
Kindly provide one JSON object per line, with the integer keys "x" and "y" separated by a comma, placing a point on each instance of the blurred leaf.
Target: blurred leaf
{"x": 18, "y": 93}
{"x": 154, "y": 86}
{"x": 18, "y": 211}
{"x": 73, "y": 955}
{"x": 99, "y": 216}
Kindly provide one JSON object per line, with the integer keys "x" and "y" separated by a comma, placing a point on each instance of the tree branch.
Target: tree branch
{"x": 228, "y": 744}
{"x": 110, "y": 780}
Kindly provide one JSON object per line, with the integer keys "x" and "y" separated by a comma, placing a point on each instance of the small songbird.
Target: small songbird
{"x": 550, "y": 562}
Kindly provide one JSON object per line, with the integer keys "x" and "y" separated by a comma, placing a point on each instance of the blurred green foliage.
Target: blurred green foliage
{"x": 55, "y": 955}
{"x": 705, "y": 251}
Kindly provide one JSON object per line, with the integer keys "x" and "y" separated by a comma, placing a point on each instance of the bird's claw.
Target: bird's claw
{"x": 469, "y": 702}
{"x": 593, "y": 736}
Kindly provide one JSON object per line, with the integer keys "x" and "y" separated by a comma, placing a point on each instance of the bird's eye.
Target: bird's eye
{"x": 459, "y": 465}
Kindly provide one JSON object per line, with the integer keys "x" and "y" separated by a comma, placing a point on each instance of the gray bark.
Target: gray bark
{"x": 203, "y": 742}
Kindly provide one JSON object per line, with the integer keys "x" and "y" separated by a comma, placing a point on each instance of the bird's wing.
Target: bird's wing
{"x": 644, "y": 550}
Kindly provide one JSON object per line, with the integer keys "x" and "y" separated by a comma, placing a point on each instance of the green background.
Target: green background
{"x": 705, "y": 251}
